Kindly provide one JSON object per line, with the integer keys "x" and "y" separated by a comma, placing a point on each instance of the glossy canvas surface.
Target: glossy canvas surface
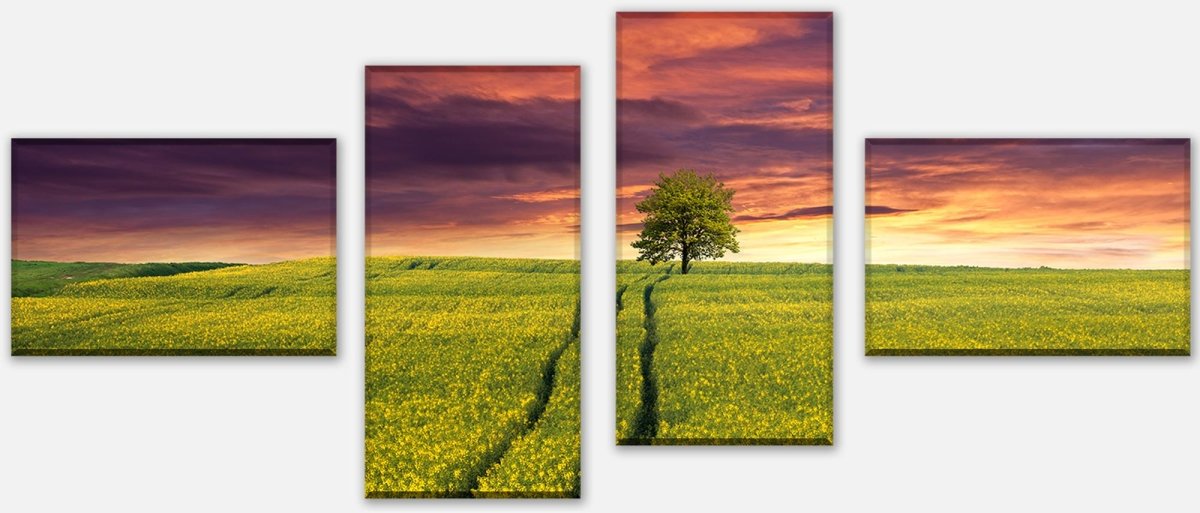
{"x": 1028, "y": 247}
{"x": 174, "y": 247}
{"x": 472, "y": 335}
{"x": 724, "y": 278}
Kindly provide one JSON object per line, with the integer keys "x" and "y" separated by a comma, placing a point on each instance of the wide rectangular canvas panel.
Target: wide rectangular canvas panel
{"x": 472, "y": 335}
{"x": 724, "y": 154}
{"x": 174, "y": 247}
{"x": 1028, "y": 247}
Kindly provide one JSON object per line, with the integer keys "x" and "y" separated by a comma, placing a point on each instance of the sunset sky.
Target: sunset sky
{"x": 747, "y": 97}
{"x": 1066, "y": 203}
{"x": 173, "y": 200}
{"x": 469, "y": 160}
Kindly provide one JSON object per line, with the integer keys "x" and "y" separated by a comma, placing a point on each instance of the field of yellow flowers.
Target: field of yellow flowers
{"x": 285, "y": 308}
{"x": 931, "y": 310}
{"x": 730, "y": 353}
{"x": 472, "y": 377}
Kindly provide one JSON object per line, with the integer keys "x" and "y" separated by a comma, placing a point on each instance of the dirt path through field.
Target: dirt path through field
{"x": 646, "y": 422}
{"x": 545, "y": 391}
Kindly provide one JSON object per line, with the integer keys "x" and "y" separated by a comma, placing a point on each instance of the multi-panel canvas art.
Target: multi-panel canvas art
{"x": 472, "y": 336}
{"x": 173, "y": 247}
{"x": 1028, "y": 247}
{"x": 724, "y": 198}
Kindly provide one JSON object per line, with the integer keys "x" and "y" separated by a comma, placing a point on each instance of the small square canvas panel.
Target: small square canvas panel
{"x": 724, "y": 190}
{"x": 173, "y": 247}
{"x": 472, "y": 334}
{"x": 1028, "y": 247}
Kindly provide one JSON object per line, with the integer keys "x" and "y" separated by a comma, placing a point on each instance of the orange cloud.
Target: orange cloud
{"x": 1116, "y": 203}
{"x": 541, "y": 196}
{"x": 650, "y": 38}
{"x": 473, "y": 160}
{"x": 746, "y": 97}
{"x": 508, "y": 83}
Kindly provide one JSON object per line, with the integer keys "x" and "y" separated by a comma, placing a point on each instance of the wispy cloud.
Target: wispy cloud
{"x": 173, "y": 200}
{"x": 1015, "y": 203}
{"x": 746, "y": 97}
{"x": 459, "y": 158}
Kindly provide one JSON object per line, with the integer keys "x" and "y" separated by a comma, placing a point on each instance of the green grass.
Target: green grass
{"x": 32, "y": 278}
{"x": 472, "y": 377}
{"x": 730, "y": 353}
{"x": 930, "y": 310}
{"x": 284, "y": 308}
{"x": 630, "y": 335}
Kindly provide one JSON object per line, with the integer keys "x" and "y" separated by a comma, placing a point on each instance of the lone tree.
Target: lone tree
{"x": 687, "y": 215}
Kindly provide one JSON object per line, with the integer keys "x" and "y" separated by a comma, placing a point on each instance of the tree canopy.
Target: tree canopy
{"x": 686, "y": 216}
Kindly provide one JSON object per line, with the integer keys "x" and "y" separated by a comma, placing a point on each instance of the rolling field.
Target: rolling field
{"x": 284, "y": 308}
{"x": 33, "y": 278}
{"x": 472, "y": 377}
{"x": 930, "y": 310}
{"x": 730, "y": 353}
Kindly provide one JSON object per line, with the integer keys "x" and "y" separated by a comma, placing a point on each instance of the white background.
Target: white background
{"x": 285, "y": 434}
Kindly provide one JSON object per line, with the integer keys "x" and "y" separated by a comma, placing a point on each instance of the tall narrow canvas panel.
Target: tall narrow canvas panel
{"x": 472, "y": 335}
{"x": 724, "y": 206}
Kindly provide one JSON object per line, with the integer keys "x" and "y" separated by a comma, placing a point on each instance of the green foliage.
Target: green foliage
{"x": 285, "y": 308}
{"x": 686, "y": 216}
{"x": 32, "y": 278}
{"x": 472, "y": 378}
{"x": 386, "y": 265}
{"x": 743, "y": 354}
{"x": 760, "y": 268}
{"x": 930, "y": 310}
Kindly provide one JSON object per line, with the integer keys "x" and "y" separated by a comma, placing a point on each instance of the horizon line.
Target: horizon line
{"x": 15, "y": 259}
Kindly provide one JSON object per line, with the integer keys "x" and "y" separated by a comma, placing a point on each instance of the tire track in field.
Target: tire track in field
{"x": 645, "y": 424}
{"x": 545, "y": 391}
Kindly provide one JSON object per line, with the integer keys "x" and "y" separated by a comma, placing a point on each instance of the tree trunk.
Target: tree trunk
{"x": 686, "y": 259}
